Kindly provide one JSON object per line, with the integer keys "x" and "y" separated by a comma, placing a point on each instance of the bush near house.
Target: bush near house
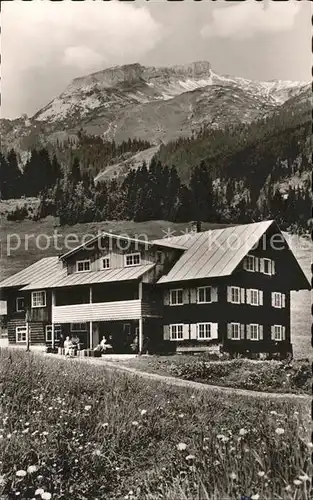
{"x": 72, "y": 431}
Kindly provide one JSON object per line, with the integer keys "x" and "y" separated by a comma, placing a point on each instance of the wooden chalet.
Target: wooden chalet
{"x": 226, "y": 289}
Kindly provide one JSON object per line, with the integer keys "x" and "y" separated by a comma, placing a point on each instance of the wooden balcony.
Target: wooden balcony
{"x": 101, "y": 311}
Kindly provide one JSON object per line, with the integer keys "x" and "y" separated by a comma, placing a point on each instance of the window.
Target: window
{"x": 235, "y": 294}
{"x": 176, "y": 297}
{"x": 254, "y": 297}
{"x": 278, "y": 332}
{"x": 21, "y": 333}
{"x": 20, "y": 304}
{"x": 82, "y": 266}
{"x": 204, "y": 331}
{"x": 267, "y": 266}
{"x": 176, "y": 332}
{"x": 57, "y": 332}
{"x": 78, "y": 327}
{"x": 278, "y": 299}
{"x": 250, "y": 263}
{"x": 254, "y": 332}
{"x": 106, "y": 263}
{"x": 39, "y": 299}
{"x": 204, "y": 295}
{"x": 235, "y": 331}
{"x": 132, "y": 259}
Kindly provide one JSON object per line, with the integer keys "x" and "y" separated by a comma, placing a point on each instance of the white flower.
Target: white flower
{"x": 233, "y": 476}
{"x": 105, "y": 424}
{"x": 261, "y": 473}
{"x": 32, "y": 468}
{"x": 97, "y": 453}
{"x": 255, "y": 497}
{"x": 9, "y": 436}
{"x": 280, "y": 430}
{"x": 216, "y": 463}
{"x": 45, "y": 433}
{"x": 273, "y": 412}
{"x": 39, "y": 491}
{"x": 143, "y": 412}
{"x": 243, "y": 432}
{"x": 87, "y": 407}
{"x": 46, "y": 495}
{"x": 190, "y": 457}
{"x": 304, "y": 477}
{"x": 220, "y": 436}
{"x": 297, "y": 482}
{"x": 20, "y": 473}
{"x": 135, "y": 423}
{"x": 181, "y": 415}
{"x": 288, "y": 487}
{"x": 181, "y": 446}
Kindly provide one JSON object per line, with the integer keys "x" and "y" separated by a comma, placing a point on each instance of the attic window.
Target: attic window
{"x": 82, "y": 266}
{"x": 132, "y": 259}
{"x": 249, "y": 263}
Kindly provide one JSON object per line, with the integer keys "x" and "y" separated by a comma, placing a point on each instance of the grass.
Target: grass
{"x": 36, "y": 241}
{"x": 264, "y": 376}
{"x": 75, "y": 431}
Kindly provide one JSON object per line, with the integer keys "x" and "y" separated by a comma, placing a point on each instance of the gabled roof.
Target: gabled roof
{"x": 46, "y": 268}
{"x": 216, "y": 253}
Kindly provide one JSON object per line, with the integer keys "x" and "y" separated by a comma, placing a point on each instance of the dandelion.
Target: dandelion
{"x": 280, "y": 430}
{"x": 297, "y": 482}
{"x": 135, "y": 423}
{"x": 233, "y": 476}
{"x": 143, "y": 412}
{"x": 87, "y": 407}
{"x": 255, "y": 497}
{"x": 32, "y": 468}
{"x": 20, "y": 473}
{"x": 243, "y": 432}
{"x": 46, "y": 495}
{"x": 261, "y": 473}
{"x": 190, "y": 457}
{"x": 181, "y": 446}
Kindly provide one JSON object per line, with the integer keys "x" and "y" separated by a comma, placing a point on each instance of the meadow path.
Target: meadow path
{"x": 166, "y": 379}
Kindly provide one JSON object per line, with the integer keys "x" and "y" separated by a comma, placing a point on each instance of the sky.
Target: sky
{"x": 44, "y": 45}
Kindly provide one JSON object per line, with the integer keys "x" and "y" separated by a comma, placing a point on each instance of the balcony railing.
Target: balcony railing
{"x": 101, "y": 311}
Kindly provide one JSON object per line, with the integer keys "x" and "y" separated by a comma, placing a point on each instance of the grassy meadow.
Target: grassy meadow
{"x": 31, "y": 241}
{"x": 70, "y": 430}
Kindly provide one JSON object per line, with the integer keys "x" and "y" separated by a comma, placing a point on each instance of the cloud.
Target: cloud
{"x": 58, "y": 41}
{"x": 250, "y": 19}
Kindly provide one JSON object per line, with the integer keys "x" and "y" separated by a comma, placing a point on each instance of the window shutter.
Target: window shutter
{"x": 273, "y": 267}
{"x": 193, "y": 331}
{"x": 248, "y": 296}
{"x": 166, "y": 332}
{"x": 214, "y": 330}
{"x": 242, "y": 295}
{"x": 283, "y": 300}
{"x": 261, "y": 332}
{"x": 229, "y": 330}
{"x": 284, "y": 333}
{"x": 273, "y": 299}
{"x": 214, "y": 296}
{"x": 273, "y": 332}
{"x": 186, "y": 332}
{"x": 186, "y": 296}
{"x": 248, "y": 332}
{"x": 256, "y": 263}
{"x": 261, "y": 297}
{"x": 261, "y": 265}
{"x": 229, "y": 294}
{"x": 166, "y": 297}
{"x": 242, "y": 331}
{"x": 193, "y": 295}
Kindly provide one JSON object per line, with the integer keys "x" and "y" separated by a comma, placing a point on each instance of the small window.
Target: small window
{"x": 254, "y": 332}
{"x": 132, "y": 259}
{"x": 278, "y": 299}
{"x": 176, "y": 332}
{"x": 278, "y": 332}
{"x": 254, "y": 294}
{"x": 204, "y": 331}
{"x": 235, "y": 295}
{"x": 78, "y": 327}
{"x": 267, "y": 266}
{"x": 106, "y": 263}
{"x": 235, "y": 331}
{"x": 20, "y": 304}
{"x": 21, "y": 333}
{"x": 82, "y": 266}
{"x": 39, "y": 299}
{"x": 204, "y": 295}
{"x": 57, "y": 332}
{"x": 176, "y": 297}
{"x": 250, "y": 263}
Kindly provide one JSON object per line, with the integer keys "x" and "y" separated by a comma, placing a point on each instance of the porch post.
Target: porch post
{"x": 140, "y": 339}
{"x": 90, "y": 335}
{"x": 52, "y": 322}
{"x": 90, "y": 294}
{"x": 27, "y": 317}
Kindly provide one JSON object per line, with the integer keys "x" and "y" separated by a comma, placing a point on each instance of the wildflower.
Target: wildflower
{"x": 192, "y": 397}
{"x": 216, "y": 463}
{"x": 181, "y": 415}
{"x": 297, "y": 482}
{"x": 45, "y": 433}
{"x": 243, "y": 432}
{"x": 288, "y": 487}
{"x": 190, "y": 457}
{"x": 261, "y": 473}
{"x": 46, "y": 495}
{"x": 279, "y": 430}
{"x": 181, "y": 446}
{"x": 87, "y": 407}
{"x": 20, "y": 473}
{"x": 143, "y": 412}
{"x": 220, "y": 436}
{"x": 135, "y": 423}
{"x": 9, "y": 436}
{"x": 97, "y": 453}
{"x": 39, "y": 491}
{"x": 273, "y": 412}
{"x": 310, "y": 445}
{"x": 32, "y": 468}
{"x": 233, "y": 476}
{"x": 105, "y": 425}
{"x": 255, "y": 497}
{"x": 304, "y": 477}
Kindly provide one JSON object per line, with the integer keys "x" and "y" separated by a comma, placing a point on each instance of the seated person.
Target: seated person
{"x": 68, "y": 347}
{"x": 104, "y": 346}
{"x": 76, "y": 342}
